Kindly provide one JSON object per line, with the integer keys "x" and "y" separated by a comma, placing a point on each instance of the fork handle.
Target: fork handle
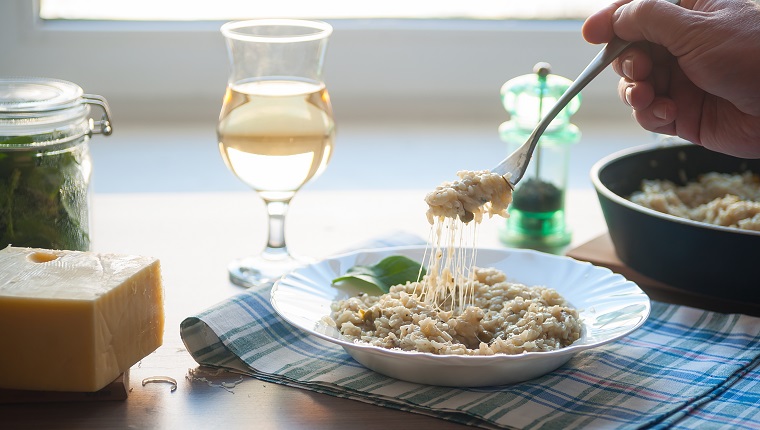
{"x": 614, "y": 47}
{"x": 611, "y": 50}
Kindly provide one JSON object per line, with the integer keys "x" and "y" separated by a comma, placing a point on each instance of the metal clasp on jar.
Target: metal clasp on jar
{"x": 102, "y": 126}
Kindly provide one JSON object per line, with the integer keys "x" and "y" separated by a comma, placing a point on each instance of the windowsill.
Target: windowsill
{"x": 382, "y": 154}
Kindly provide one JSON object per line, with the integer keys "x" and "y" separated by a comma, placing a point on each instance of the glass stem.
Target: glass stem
{"x": 276, "y": 211}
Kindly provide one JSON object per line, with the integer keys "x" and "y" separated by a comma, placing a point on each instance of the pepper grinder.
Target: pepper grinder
{"x": 537, "y": 213}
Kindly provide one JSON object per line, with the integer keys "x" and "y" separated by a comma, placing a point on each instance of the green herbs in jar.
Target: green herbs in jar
{"x": 44, "y": 193}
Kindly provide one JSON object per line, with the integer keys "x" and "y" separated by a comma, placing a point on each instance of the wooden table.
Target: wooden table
{"x": 195, "y": 235}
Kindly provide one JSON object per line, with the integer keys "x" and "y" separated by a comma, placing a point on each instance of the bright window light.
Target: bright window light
{"x": 223, "y": 10}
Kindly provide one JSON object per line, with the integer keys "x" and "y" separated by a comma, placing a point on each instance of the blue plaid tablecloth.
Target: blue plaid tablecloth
{"x": 685, "y": 368}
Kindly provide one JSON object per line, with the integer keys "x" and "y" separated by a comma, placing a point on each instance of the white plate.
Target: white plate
{"x": 610, "y": 307}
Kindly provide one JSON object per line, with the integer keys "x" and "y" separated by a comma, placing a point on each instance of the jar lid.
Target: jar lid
{"x": 33, "y": 106}
{"x": 29, "y": 95}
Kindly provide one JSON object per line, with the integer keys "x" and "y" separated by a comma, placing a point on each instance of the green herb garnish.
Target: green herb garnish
{"x": 393, "y": 270}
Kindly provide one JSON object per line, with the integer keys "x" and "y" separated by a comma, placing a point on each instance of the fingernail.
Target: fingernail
{"x": 628, "y": 95}
{"x": 628, "y": 68}
{"x": 660, "y": 111}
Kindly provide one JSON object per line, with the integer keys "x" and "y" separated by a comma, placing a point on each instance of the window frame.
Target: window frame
{"x": 375, "y": 69}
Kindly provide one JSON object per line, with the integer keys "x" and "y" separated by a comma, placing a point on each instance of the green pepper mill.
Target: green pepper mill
{"x": 537, "y": 213}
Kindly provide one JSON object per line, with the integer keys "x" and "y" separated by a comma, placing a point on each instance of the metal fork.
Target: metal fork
{"x": 517, "y": 162}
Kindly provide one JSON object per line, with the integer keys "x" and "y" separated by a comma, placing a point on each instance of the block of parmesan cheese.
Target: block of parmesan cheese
{"x": 74, "y": 321}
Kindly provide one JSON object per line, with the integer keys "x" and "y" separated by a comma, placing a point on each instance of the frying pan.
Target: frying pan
{"x": 702, "y": 258}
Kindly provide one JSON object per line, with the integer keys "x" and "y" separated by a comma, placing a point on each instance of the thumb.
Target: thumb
{"x": 657, "y": 21}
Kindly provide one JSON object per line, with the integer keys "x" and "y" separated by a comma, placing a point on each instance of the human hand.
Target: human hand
{"x": 694, "y": 71}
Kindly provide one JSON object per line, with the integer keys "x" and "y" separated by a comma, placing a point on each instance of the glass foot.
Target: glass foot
{"x": 255, "y": 271}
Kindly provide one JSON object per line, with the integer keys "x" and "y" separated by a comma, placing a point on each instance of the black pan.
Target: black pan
{"x": 698, "y": 257}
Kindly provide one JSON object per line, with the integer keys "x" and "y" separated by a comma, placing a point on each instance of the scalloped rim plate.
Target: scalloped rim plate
{"x": 609, "y": 305}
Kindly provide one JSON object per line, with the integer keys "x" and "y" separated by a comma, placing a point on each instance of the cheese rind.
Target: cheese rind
{"x": 74, "y": 321}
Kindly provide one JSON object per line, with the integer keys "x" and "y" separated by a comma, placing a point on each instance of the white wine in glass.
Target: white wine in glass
{"x": 276, "y": 128}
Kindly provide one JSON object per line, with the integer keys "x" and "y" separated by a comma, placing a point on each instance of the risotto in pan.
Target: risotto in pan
{"x": 730, "y": 200}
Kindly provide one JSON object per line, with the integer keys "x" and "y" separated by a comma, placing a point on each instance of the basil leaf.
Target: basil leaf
{"x": 393, "y": 270}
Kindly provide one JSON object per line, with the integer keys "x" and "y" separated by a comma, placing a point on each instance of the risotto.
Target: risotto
{"x": 457, "y": 308}
{"x": 730, "y": 200}
{"x": 475, "y": 193}
{"x": 455, "y": 209}
{"x": 502, "y": 318}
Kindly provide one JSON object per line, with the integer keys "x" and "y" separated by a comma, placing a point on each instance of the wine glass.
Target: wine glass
{"x": 276, "y": 127}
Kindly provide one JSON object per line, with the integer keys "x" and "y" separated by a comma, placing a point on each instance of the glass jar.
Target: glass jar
{"x": 45, "y": 163}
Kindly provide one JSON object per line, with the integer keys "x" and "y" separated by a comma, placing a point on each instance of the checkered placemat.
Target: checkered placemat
{"x": 685, "y": 368}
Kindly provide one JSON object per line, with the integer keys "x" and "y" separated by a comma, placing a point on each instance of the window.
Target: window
{"x": 179, "y": 10}
{"x": 375, "y": 68}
